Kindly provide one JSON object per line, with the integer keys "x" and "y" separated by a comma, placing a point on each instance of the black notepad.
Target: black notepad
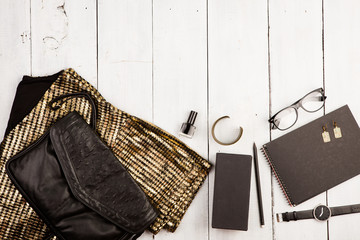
{"x": 306, "y": 166}
{"x": 231, "y": 191}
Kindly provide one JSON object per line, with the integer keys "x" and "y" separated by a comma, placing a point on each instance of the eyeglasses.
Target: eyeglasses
{"x": 287, "y": 117}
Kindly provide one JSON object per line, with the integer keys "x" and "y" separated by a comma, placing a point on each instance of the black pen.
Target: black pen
{"x": 258, "y": 186}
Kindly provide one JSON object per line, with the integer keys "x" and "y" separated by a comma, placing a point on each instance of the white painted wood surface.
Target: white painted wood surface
{"x": 15, "y": 52}
{"x": 342, "y": 80}
{"x": 180, "y": 85}
{"x": 159, "y": 59}
{"x": 239, "y": 87}
{"x": 296, "y": 68}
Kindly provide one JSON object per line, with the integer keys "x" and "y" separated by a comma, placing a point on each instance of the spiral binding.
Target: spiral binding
{"x": 281, "y": 183}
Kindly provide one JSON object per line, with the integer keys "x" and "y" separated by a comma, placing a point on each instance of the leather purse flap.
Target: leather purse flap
{"x": 97, "y": 178}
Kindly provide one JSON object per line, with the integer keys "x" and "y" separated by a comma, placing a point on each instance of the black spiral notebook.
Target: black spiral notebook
{"x": 306, "y": 166}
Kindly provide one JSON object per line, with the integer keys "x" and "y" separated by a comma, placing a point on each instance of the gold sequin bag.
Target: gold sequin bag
{"x": 168, "y": 171}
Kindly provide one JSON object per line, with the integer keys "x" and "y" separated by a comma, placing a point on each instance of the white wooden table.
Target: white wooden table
{"x": 160, "y": 59}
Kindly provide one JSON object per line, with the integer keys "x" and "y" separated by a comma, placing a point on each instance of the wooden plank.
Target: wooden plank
{"x": 14, "y": 52}
{"x": 296, "y": 69}
{"x": 238, "y": 87}
{"x": 342, "y": 35}
{"x": 64, "y": 35}
{"x": 180, "y": 85}
{"x": 125, "y": 57}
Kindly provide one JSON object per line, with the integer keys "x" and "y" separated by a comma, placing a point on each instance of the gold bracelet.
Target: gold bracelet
{"x": 218, "y": 141}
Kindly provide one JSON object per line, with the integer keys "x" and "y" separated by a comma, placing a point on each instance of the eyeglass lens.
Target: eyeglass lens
{"x": 286, "y": 118}
{"x": 312, "y": 102}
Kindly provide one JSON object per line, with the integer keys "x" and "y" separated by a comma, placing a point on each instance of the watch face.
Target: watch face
{"x": 322, "y": 213}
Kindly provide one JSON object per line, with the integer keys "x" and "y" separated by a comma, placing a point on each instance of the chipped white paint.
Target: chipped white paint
{"x": 296, "y": 69}
{"x": 159, "y": 59}
{"x": 57, "y": 25}
{"x": 180, "y": 85}
{"x": 14, "y": 52}
{"x": 64, "y": 35}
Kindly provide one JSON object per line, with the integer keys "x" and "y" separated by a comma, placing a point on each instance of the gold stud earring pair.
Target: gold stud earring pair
{"x": 326, "y": 134}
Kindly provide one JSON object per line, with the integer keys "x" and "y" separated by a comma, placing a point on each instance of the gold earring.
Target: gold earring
{"x": 325, "y": 134}
{"x": 337, "y": 130}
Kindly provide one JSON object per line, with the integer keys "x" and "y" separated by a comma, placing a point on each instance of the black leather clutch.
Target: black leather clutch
{"x": 78, "y": 187}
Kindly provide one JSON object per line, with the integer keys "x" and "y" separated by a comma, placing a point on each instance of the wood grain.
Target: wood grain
{"x": 14, "y": 52}
{"x": 125, "y": 55}
{"x": 239, "y": 87}
{"x": 296, "y": 69}
{"x": 180, "y": 85}
{"x": 342, "y": 73}
{"x": 159, "y": 59}
{"x": 64, "y": 35}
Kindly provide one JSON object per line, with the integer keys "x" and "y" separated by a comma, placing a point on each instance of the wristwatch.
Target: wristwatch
{"x": 320, "y": 213}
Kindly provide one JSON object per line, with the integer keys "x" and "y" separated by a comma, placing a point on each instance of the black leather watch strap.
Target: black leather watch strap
{"x": 335, "y": 211}
{"x": 296, "y": 215}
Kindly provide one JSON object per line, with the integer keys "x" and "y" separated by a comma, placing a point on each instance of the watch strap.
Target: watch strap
{"x": 295, "y": 215}
{"x": 335, "y": 211}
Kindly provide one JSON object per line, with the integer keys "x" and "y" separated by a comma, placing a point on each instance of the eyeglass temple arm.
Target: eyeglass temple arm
{"x": 318, "y": 98}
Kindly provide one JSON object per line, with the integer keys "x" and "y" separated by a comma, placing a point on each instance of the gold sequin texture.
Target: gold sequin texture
{"x": 168, "y": 171}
